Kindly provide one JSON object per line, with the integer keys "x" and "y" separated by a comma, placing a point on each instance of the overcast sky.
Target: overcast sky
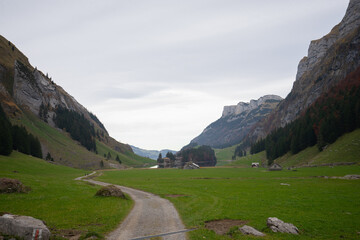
{"x": 156, "y": 73}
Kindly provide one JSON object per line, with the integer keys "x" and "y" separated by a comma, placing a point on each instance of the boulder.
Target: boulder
{"x": 8, "y": 185}
{"x": 276, "y": 225}
{"x": 110, "y": 191}
{"x": 247, "y": 230}
{"x": 24, "y": 227}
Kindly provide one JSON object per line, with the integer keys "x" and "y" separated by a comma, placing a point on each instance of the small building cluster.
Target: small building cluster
{"x": 176, "y": 162}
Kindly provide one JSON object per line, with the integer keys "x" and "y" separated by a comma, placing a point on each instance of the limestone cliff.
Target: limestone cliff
{"x": 236, "y": 121}
{"x": 329, "y": 60}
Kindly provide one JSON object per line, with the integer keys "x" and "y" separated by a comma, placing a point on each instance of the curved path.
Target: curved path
{"x": 152, "y": 216}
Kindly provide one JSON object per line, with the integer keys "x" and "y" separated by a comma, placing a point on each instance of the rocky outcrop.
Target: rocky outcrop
{"x": 277, "y": 225}
{"x": 236, "y": 121}
{"x": 32, "y": 89}
{"x": 24, "y": 227}
{"x": 330, "y": 59}
{"x": 247, "y": 230}
{"x": 318, "y": 48}
{"x": 247, "y": 107}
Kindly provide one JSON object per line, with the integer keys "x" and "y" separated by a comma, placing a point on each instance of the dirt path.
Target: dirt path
{"x": 151, "y": 216}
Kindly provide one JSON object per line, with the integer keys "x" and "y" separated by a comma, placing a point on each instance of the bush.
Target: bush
{"x": 8, "y": 185}
{"x": 110, "y": 191}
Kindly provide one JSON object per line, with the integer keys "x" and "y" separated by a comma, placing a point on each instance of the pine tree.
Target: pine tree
{"x": 5, "y": 134}
{"x": 118, "y": 159}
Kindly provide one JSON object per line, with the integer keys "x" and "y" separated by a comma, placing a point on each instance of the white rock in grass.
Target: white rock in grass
{"x": 27, "y": 228}
{"x": 276, "y": 225}
{"x": 247, "y": 230}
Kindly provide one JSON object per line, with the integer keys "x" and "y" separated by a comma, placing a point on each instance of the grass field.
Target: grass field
{"x": 321, "y": 208}
{"x": 56, "y": 198}
{"x": 224, "y": 156}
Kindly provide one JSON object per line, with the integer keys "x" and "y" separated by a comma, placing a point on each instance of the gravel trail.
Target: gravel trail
{"x": 151, "y": 216}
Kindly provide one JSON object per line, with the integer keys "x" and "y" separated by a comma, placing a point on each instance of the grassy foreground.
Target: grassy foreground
{"x": 321, "y": 208}
{"x": 56, "y": 198}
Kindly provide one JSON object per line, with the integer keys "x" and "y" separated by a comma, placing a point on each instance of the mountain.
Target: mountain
{"x": 330, "y": 59}
{"x": 71, "y": 134}
{"x": 152, "y": 154}
{"x": 235, "y": 122}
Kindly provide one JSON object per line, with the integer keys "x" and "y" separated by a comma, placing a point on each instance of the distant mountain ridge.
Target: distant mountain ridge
{"x": 152, "y": 154}
{"x": 235, "y": 122}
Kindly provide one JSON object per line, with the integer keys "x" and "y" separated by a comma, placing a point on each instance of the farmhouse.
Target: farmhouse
{"x": 167, "y": 162}
{"x": 255, "y": 164}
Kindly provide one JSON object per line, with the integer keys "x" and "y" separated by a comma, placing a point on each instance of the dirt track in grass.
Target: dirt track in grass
{"x": 151, "y": 216}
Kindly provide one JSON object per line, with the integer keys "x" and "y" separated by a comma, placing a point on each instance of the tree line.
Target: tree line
{"x": 333, "y": 114}
{"x": 203, "y": 156}
{"x": 17, "y": 138}
{"x": 77, "y": 125}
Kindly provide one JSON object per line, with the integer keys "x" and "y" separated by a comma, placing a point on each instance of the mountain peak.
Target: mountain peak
{"x": 236, "y": 122}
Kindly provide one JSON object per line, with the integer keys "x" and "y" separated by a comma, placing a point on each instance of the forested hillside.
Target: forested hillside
{"x": 333, "y": 114}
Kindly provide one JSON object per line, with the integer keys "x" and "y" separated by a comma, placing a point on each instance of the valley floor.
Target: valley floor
{"x": 322, "y": 208}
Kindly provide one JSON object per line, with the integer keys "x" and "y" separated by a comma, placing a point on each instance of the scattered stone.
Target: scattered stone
{"x": 247, "y": 230}
{"x": 110, "y": 191}
{"x": 284, "y": 184}
{"x": 25, "y": 227}
{"x": 276, "y": 225}
{"x": 8, "y": 185}
{"x": 354, "y": 176}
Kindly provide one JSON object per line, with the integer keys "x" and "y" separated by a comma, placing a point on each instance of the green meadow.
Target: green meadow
{"x": 321, "y": 208}
{"x": 64, "y": 204}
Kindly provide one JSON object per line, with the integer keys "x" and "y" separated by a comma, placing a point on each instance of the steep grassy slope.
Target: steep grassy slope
{"x": 73, "y": 154}
{"x": 320, "y": 208}
{"x": 345, "y": 149}
{"x": 58, "y": 143}
{"x": 128, "y": 158}
{"x": 56, "y": 198}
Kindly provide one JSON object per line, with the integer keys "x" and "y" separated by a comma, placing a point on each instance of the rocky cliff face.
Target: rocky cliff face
{"x": 247, "y": 107}
{"x": 236, "y": 121}
{"x": 329, "y": 60}
{"x": 32, "y": 90}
